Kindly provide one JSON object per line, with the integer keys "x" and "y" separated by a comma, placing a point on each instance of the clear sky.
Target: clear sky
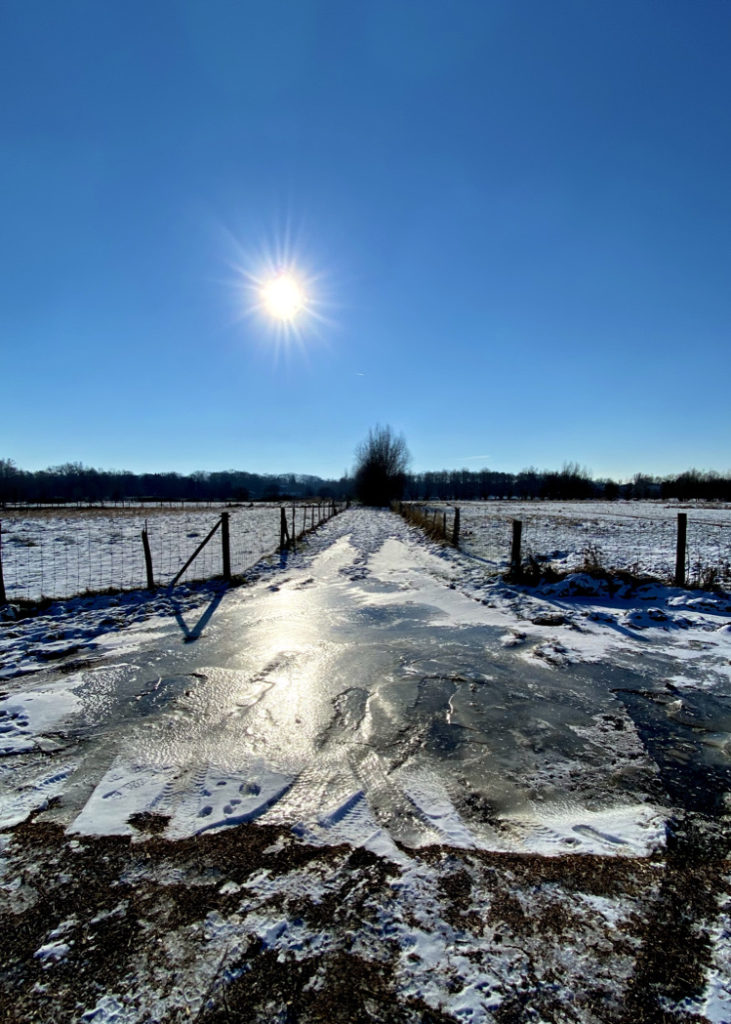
{"x": 511, "y": 219}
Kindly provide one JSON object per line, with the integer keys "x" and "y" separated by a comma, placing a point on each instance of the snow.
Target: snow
{"x": 335, "y": 652}
{"x": 622, "y": 534}
{"x": 636, "y": 830}
{"x": 27, "y": 716}
{"x": 385, "y": 693}
{"x": 62, "y": 554}
{"x": 52, "y": 952}
{"x": 108, "y": 1010}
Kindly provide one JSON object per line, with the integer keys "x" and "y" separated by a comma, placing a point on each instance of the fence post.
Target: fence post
{"x": 226, "y": 546}
{"x": 455, "y": 533}
{"x": 680, "y": 549}
{"x": 444, "y": 525}
{"x": 515, "y": 559}
{"x": 294, "y": 529}
{"x": 3, "y": 598}
{"x": 283, "y": 533}
{"x": 148, "y": 559}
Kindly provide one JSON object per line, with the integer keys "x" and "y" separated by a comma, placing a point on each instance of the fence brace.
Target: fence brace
{"x": 148, "y": 559}
{"x": 197, "y": 551}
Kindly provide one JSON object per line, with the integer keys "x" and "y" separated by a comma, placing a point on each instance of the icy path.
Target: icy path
{"x": 368, "y": 691}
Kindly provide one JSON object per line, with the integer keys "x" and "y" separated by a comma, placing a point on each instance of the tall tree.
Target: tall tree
{"x": 381, "y": 462}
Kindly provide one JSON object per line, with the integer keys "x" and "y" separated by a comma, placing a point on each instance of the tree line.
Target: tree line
{"x": 73, "y": 482}
{"x": 570, "y": 483}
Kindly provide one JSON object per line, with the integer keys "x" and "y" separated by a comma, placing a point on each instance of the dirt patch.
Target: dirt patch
{"x": 249, "y": 924}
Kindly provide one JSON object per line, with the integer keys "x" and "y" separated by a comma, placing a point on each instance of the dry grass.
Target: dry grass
{"x": 432, "y": 522}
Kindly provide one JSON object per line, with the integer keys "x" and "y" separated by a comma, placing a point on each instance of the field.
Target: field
{"x": 631, "y": 536}
{"x": 50, "y": 554}
{"x": 59, "y": 554}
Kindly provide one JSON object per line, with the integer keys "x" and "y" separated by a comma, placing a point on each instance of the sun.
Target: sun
{"x": 283, "y": 297}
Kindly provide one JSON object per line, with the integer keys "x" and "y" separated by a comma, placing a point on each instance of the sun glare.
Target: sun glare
{"x": 282, "y": 297}
{"x": 274, "y": 284}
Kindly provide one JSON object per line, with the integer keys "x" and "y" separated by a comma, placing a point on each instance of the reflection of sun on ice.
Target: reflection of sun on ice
{"x": 282, "y": 297}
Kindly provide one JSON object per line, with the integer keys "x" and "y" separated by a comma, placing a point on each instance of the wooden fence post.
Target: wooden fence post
{"x": 680, "y": 549}
{"x": 283, "y": 532}
{"x": 226, "y": 546}
{"x": 455, "y": 532}
{"x": 148, "y": 559}
{"x": 3, "y": 598}
{"x": 515, "y": 560}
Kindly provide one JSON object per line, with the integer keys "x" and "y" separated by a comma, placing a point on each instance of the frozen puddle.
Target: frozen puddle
{"x": 360, "y": 694}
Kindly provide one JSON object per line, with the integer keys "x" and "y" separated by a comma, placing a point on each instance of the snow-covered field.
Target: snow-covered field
{"x": 50, "y": 554}
{"x": 59, "y": 554}
{"x": 630, "y": 535}
{"x": 376, "y": 783}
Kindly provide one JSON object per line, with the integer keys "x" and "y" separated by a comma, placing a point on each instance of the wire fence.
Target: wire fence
{"x": 60, "y": 555}
{"x": 47, "y": 554}
{"x": 618, "y": 537}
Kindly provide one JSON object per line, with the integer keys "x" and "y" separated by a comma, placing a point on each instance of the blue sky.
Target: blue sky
{"x": 512, "y": 219}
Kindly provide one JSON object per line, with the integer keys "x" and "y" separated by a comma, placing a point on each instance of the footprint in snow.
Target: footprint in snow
{"x": 587, "y": 830}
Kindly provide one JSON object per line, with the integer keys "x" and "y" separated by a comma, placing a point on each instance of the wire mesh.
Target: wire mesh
{"x": 80, "y": 551}
{"x": 76, "y": 551}
{"x": 636, "y": 537}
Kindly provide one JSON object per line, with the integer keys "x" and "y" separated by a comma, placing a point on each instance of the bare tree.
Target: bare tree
{"x": 381, "y": 462}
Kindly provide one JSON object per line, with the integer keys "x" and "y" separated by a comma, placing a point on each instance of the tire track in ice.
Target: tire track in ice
{"x": 399, "y": 816}
{"x": 36, "y": 793}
